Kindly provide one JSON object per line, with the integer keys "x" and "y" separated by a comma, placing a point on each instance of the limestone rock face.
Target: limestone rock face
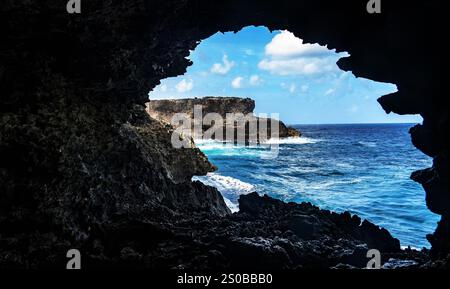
{"x": 165, "y": 110}
{"x": 83, "y": 166}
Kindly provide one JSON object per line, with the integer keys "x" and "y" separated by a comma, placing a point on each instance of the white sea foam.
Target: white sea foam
{"x": 210, "y": 144}
{"x": 213, "y": 147}
{"x": 344, "y": 165}
{"x": 213, "y": 144}
{"x": 331, "y": 183}
{"x": 200, "y": 142}
{"x": 403, "y": 247}
{"x": 369, "y": 144}
{"x": 227, "y": 186}
{"x": 232, "y": 206}
{"x": 293, "y": 140}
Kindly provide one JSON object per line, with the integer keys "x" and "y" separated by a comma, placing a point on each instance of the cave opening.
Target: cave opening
{"x": 351, "y": 155}
{"x": 84, "y": 167}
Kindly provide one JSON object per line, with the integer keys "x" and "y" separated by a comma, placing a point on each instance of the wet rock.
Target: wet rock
{"x": 400, "y": 264}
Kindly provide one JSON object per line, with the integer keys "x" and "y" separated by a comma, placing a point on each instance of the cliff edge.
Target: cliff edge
{"x": 242, "y": 108}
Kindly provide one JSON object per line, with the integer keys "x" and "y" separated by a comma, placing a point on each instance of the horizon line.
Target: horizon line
{"x": 346, "y": 123}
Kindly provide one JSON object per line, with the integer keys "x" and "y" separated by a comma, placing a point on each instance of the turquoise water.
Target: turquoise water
{"x": 361, "y": 168}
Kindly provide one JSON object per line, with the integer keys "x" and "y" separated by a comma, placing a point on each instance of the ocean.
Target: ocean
{"x": 360, "y": 168}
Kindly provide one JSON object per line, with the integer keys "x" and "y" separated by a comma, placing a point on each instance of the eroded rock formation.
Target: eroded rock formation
{"x": 164, "y": 109}
{"x": 83, "y": 166}
{"x": 270, "y": 234}
{"x": 245, "y": 122}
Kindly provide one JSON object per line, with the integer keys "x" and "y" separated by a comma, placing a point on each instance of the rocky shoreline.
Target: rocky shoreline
{"x": 83, "y": 166}
{"x": 167, "y": 221}
{"x": 266, "y": 234}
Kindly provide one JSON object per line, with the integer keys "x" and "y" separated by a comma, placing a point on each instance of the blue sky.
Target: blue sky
{"x": 283, "y": 75}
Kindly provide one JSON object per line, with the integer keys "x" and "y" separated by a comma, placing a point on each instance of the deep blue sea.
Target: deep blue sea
{"x": 361, "y": 168}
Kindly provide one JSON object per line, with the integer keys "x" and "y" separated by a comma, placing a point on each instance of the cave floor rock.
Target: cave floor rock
{"x": 265, "y": 234}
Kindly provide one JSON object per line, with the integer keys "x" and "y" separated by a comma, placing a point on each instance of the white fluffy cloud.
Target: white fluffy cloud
{"x": 255, "y": 80}
{"x": 237, "y": 82}
{"x": 224, "y": 67}
{"x": 286, "y": 45}
{"x": 297, "y": 66}
{"x": 329, "y": 91}
{"x": 184, "y": 85}
{"x": 288, "y": 55}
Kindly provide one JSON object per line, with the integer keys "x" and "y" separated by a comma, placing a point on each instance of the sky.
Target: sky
{"x": 299, "y": 81}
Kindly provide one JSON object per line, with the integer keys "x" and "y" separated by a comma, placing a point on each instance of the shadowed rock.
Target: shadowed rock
{"x": 83, "y": 166}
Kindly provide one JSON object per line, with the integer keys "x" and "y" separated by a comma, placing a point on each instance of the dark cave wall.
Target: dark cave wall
{"x": 72, "y": 127}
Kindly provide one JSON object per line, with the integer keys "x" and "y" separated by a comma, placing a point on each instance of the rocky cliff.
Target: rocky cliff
{"x": 165, "y": 109}
{"x": 83, "y": 166}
